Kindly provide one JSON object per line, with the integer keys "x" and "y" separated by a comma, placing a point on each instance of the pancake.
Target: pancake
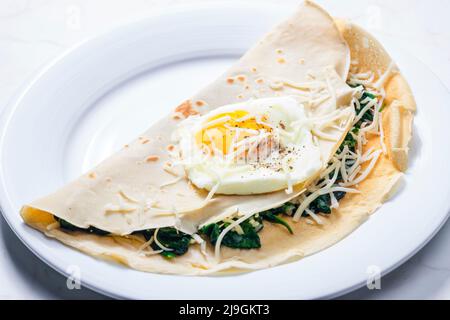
{"x": 309, "y": 45}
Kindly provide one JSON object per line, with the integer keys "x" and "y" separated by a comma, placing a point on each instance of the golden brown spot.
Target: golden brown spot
{"x": 186, "y": 109}
{"x": 230, "y": 80}
{"x": 241, "y": 78}
{"x": 170, "y": 147}
{"x": 279, "y": 51}
{"x": 200, "y": 103}
{"x": 301, "y": 61}
{"x": 241, "y": 96}
{"x": 176, "y": 116}
{"x": 92, "y": 175}
{"x": 253, "y": 69}
{"x": 259, "y": 81}
{"x": 145, "y": 141}
{"x": 126, "y": 146}
{"x": 152, "y": 158}
{"x": 281, "y": 60}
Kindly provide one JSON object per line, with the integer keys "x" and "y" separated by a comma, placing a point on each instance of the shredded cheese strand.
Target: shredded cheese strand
{"x": 384, "y": 77}
{"x": 314, "y": 216}
{"x": 225, "y": 231}
{"x": 211, "y": 193}
{"x": 305, "y": 204}
{"x": 366, "y": 172}
{"x": 201, "y": 242}
{"x": 146, "y": 244}
{"x": 372, "y": 103}
{"x": 323, "y": 135}
{"x": 155, "y": 237}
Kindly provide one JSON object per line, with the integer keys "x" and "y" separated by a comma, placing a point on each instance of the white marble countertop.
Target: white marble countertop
{"x": 33, "y": 32}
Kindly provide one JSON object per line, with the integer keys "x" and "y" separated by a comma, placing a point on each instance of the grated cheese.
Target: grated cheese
{"x": 211, "y": 193}
{"x": 366, "y": 172}
{"x": 347, "y": 162}
{"x": 122, "y": 208}
{"x": 313, "y": 196}
{"x": 382, "y": 142}
{"x": 334, "y": 201}
{"x": 225, "y": 231}
{"x": 334, "y": 178}
{"x": 372, "y": 103}
{"x": 201, "y": 242}
{"x": 384, "y": 77}
{"x": 215, "y": 122}
{"x": 343, "y": 168}
{"x": 324, "y": 136}
{"x": 354, "y": 173}
{"x": 331, "y": 91}
{"x": 174, "y": 181}
{"x": 146, "y": 244}
{"x": 127, "y": 197}
{"x": 314, "y": 216}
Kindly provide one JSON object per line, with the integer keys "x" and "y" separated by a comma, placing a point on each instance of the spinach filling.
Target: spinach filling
{"x": 323, "y": 203}
{"x": 70, "y": 227}
{"x": 367, "y": 117}
{"x": 170, "y": 238}
{"x": 273, "y": 215}
{"x": 350, "y": 141}
{"x": 245, "y": 236}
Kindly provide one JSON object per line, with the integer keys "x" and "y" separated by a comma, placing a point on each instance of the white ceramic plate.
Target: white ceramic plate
{"x": 106, "y": 91}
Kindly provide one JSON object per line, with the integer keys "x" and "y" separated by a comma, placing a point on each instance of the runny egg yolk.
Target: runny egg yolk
{"x": 222, "y": 131}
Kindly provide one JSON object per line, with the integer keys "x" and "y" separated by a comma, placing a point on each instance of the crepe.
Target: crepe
{"x": 310, "y": 42}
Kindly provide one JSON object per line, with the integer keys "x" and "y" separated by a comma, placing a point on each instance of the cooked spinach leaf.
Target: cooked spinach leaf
{"x": 350, "y": 140}
{"x": 272, "y": 215}
{"x": 170, "y": 238}
{"x": 323, "y": 203}
{"x": 247, "y": 239}
{"x": 368, "y": 115}
{"x": 367, "y": 94}
{"x": 148, "y": 234}
{"x": 274, "y": 218}
{"x": 168, "y": 254}
{"x": 70, "y": 227}
{"x": 339, "y": 195}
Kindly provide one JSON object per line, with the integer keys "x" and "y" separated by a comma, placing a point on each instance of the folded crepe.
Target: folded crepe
{"x": 359, "y": 109}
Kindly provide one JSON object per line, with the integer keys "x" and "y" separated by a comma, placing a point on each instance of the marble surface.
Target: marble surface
{"x": 33, "y": 32}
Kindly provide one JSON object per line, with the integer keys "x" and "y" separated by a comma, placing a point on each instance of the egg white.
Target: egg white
{"x": 294, "y": 159}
